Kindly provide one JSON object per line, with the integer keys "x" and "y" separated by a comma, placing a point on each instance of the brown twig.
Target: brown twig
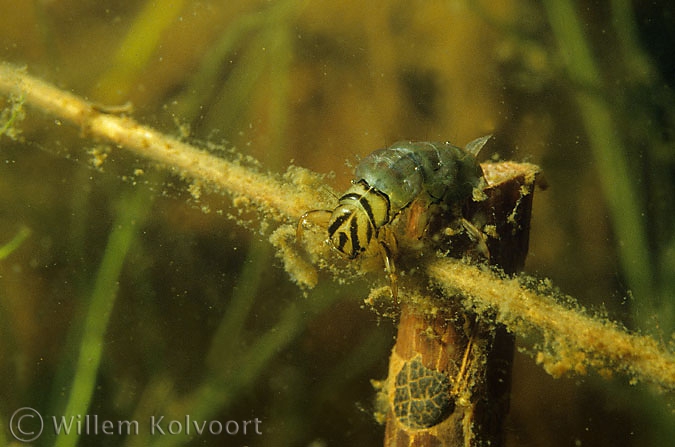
{"x": 468, "y": 360}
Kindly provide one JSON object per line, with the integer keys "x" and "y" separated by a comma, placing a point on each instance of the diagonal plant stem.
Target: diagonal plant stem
{"x": 573, "y": 340}
{"x": 136, "y": 49}
{"x": 607, "y": 149}
{"x": 17, "y": 240}
{"x": 100, "y": 309}
{"x": 586, "y": 340}
{"x": 279, "y": 200}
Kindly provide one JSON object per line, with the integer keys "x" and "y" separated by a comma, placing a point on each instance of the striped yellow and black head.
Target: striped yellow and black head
{"x": 354, "y": 224}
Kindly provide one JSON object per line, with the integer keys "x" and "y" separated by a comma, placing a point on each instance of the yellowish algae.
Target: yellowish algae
{"x": 572, "y": 340}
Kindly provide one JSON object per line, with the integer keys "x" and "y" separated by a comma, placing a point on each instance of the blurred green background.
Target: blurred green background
{"x": 125, "y": 297}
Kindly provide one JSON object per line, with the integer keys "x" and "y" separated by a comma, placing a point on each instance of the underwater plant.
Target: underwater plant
{"x": 149, "y": 281}
{"x": 571, "y": 340}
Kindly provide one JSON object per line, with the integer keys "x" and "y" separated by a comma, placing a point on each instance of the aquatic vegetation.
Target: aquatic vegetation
{"x": 14, "y": 243}
{"x": 205, "y": 322}
{"x": 572, "y": 340}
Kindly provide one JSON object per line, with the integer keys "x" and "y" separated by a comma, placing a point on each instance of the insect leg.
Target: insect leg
{"x": 389, "y": 266}
{"x": 476, "y": 236}
{"x": 462, "y": 378}
{"x": 419, "y": 213}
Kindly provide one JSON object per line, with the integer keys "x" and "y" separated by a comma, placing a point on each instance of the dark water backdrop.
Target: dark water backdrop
{"x": 181, "y": 312}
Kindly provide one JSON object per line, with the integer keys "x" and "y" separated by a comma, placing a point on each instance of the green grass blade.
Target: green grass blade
{"x": 100, "y": 309}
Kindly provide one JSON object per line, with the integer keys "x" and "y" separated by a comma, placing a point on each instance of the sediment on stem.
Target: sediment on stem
{"x": 571, "y": 340}
{"x": 284, "y": 198}
{"x": 281, "y": 199}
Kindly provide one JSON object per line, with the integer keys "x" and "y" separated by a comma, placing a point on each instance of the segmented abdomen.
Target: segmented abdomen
{"x": 405, "y": 169}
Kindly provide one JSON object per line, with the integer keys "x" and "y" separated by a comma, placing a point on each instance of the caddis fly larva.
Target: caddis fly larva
{"x": 390, "y": 180}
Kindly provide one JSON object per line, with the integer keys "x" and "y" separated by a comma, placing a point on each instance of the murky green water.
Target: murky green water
{"x": 128, "y": 303}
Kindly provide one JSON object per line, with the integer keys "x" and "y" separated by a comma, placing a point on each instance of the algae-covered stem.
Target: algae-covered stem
{"x": 285, "y": 201}
{"x": 281, "y": 200}
{"x": 573, "y": 341}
